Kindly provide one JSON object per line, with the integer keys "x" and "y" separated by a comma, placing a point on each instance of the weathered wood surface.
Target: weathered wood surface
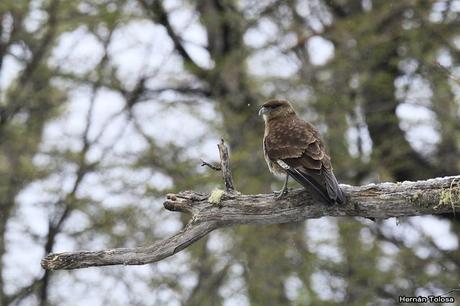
{"x": 385, "y": 200}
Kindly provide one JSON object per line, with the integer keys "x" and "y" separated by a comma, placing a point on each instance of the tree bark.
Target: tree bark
{"x": 385, "y": 200}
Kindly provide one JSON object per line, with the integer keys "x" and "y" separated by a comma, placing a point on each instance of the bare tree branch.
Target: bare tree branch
{"x": 385, "y": 200}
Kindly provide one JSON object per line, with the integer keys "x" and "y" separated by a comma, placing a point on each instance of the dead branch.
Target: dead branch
{"x": 225, "y": 166}
{"x": 385, "y": 200}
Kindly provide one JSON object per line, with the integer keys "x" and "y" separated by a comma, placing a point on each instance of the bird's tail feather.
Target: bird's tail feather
{"x": 333, "y": 188}
{"x": 308, "y": 182}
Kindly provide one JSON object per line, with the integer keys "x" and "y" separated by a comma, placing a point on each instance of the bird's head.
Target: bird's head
{"x": 275, "y": 109}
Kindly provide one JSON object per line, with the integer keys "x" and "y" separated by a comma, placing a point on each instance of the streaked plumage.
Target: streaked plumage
{"x": 297, "y": 146}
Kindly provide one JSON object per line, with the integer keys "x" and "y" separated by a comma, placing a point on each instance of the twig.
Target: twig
{"x": 204, "y": 163}
{"x": 447, "y": 72}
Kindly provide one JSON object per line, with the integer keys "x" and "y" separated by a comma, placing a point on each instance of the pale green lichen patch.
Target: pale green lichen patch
{"x": 216, "y": 196}
{"x": 416, "y": 198}
{"x": 423, "y": 200}
{"x": 450, "y": 196}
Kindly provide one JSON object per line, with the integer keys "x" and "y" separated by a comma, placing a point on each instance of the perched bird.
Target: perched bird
{"x": 293, "y": 147}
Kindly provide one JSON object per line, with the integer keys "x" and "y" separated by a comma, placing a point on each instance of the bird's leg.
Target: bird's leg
{"x": 283, "y": 191}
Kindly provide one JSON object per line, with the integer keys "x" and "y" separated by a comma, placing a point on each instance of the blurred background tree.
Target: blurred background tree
{"x": 107, "y": 105}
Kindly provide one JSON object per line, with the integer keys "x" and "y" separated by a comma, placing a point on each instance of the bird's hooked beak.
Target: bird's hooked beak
{"x": 263, "y": 110}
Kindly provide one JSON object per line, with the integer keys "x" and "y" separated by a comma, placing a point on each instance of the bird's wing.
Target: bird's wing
{"x": 299, "y": 146}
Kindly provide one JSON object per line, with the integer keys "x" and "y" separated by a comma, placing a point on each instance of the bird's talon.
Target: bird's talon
{"x": 280, "y": 194}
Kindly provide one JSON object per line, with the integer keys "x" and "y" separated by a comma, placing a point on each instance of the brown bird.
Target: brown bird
{"x": 293, "y": 147}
